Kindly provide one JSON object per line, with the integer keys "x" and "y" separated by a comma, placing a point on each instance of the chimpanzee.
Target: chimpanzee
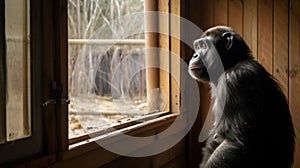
{"x": 253, "y": 126}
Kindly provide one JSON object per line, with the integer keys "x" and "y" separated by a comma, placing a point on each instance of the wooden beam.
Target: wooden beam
{"x": 152, "y": 59}
{"x": 206, "y": 14}
{"x": 281, "y": 43}
{"x": 235, "y": 15}
{"x": 50, "y": 125}
{"x": 265, "y": 34}
{"x": 221, "y": 14}
{"x": 106, "y": 41}
{"x": 250, "y": 25}
{"x": 61, "y": 71}
{"x": 164, "y": 47}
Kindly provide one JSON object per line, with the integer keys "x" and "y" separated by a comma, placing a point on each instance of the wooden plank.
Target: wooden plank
{"x": 250, "y": 25}
{"x": 144, "y": 162}
{"x": 43, "y": 161}
{"x": 164, "y": 45}
{"x": 265, "y": 34}
{"x": 49, "y": 111}
{"x": 205, "y": 12}
{"x": 170, "y": 155}
{"x": 152, "y": 59}
{"x": 221, "y": 12}
{"x": 281, "y": 23}
{"x": 61, "y": 71}
{"x": 175, "y": 49}
{"x": 195, "y": 147}
{"x": 202, "y": 14}
{"x": 92, "y": 155}
{"x": 151, "y": 161}
{"x": 37, "y": 83}
{"x": 207, "y": 21}
{"x": 147, "y": 128}
{"x": 294, "y": 72}
{"x": 235, "y": 15}
{"x": 189, "y": 8}
{"x": 178, "y": 162}
{"x": 94, "y": 158}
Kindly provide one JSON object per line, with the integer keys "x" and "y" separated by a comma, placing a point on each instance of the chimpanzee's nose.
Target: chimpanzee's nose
{"x": 196, "y": 55}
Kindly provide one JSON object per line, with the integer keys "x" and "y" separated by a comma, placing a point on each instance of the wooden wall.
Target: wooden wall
{"x": 272, "y": 30}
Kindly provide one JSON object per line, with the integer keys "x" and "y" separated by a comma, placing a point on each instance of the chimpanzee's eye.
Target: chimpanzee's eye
{"x": 200, "y": 45}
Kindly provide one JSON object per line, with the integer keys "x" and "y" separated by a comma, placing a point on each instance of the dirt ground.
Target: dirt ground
{"x": 94, "y": 113}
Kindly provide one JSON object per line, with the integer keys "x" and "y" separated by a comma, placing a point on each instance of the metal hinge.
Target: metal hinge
{"x": 53, "y": 101}
{"x": 56, "y": 91}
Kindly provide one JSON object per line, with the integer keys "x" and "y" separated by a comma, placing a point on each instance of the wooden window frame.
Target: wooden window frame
{"x": 82, "y": 151}
{"x": 156, "y": 78}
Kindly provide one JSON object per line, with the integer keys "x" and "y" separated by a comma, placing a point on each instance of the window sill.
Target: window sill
{"x": 89, "y": 151}
{"x": 127, "y": 122}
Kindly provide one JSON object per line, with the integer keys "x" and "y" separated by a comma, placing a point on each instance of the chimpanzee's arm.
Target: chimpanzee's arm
{"x": 226, "y": 155}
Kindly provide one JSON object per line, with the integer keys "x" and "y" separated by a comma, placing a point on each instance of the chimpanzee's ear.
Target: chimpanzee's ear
{"x": 227, "y": 40}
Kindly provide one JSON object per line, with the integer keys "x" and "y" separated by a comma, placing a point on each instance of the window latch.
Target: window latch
{"x": 49, "y": 102}
{"x": 53, "y": 101}
{"x": 55, "y": 97}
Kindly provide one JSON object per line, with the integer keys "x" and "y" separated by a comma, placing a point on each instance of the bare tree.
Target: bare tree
{"x": 99, "y": 19}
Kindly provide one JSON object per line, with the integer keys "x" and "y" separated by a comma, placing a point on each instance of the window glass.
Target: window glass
{"x": 107, "y": 76}
{"x": 17, "y": 32}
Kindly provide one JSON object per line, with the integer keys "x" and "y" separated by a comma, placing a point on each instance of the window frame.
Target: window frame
{"x": 162, "y": 80}
{"x": 156, "y": 78}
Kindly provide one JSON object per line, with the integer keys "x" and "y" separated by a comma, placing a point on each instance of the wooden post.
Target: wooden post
{"x": 152, "y": 59}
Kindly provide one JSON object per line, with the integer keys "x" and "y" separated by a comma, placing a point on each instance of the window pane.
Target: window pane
{"x": 107, "y": 79}
{"x": 2, "y": 75}
{"x": 17, "y": 31}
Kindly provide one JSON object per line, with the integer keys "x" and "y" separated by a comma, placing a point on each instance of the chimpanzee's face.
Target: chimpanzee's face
{"x": 211, "y": 54}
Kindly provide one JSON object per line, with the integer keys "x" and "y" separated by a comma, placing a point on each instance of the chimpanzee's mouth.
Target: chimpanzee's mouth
{"x": 194, "y": 67}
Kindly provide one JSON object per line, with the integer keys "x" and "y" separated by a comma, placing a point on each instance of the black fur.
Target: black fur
{"x": 253, "y": 127}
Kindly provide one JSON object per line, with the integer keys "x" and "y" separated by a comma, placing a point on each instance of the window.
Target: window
{"x": 43, "y": 108}
{"x": 41, "y": 79}
{"x": 17, "y": 32}
{"x": 18, "y": 131}
{"x": 107, "y": 66}
{"x": 163, "y": 77}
